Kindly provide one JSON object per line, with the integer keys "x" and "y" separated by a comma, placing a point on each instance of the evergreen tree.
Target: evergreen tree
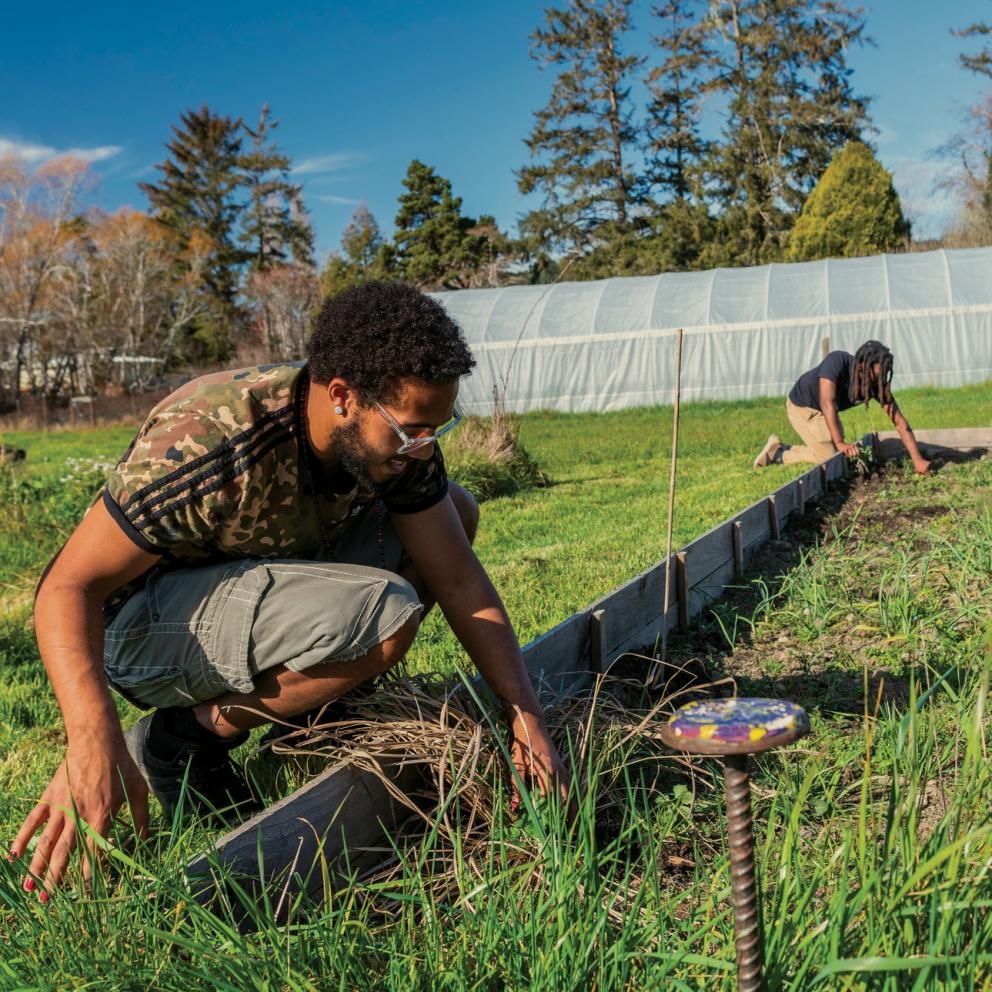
{"x": 675, "y": 147}
{"x": 196, "y": 198}
{"x": 783, "y": 75}
{"x": 982, "y": 62}
{"x": 583, "y": 139}
{"x": 362, "y": 242}
{"x": 275, "y": 226}
{"x": 853, "y": 210}
{"x": 365, "y": 255}
{"x": 680, "y": 233}
{"x": 434, "y": 245}
{"x": 676, "y": 150}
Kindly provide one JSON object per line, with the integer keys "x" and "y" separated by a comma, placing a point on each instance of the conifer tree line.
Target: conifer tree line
{"x": 710, "y": 133}
{"x": 700, "y": 152}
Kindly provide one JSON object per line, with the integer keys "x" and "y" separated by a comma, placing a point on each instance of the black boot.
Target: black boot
{"x": 170, "y": 747}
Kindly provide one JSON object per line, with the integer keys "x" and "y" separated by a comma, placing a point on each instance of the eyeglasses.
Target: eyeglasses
{"x": 416, "y": 443}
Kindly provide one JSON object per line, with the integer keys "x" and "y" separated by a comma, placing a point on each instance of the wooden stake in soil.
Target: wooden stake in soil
{"x": 669, "y": 563}
{"x": 733, "y": 729}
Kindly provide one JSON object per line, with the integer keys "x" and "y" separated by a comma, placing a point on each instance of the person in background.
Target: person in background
{"x": 840, "y": 381}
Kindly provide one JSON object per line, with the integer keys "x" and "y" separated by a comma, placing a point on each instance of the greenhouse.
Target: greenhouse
{"x": 747, "y": 332}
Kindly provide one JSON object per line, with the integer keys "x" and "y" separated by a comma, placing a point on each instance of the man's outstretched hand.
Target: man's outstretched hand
{"x": 96, "y": 781}
{"x": 536, "y": 759}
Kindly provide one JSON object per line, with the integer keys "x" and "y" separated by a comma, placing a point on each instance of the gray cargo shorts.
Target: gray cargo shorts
{"x": 195, "y": 633}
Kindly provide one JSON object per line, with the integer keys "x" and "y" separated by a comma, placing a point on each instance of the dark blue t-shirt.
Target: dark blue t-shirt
{"x": 837, "y": 368}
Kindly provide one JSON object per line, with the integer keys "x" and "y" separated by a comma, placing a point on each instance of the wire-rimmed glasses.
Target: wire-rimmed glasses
{"x": 416, "y": 443}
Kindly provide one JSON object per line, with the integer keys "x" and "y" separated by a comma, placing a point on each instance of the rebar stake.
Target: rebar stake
{"x": 734, "y": 729}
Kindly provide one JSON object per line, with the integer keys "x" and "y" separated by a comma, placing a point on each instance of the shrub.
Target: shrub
{"x": 486, "y": 457}
{"x": 853, "y": 210}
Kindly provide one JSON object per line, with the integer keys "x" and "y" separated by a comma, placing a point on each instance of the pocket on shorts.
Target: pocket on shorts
{"x": 153, "y": 685}
{"x": 316, "y": 612}
{"x": 224, "y": 624}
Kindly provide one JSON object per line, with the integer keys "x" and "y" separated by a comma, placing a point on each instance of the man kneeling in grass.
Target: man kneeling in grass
{"x": 840, "y": 381}
{"x": 270, "y": 540}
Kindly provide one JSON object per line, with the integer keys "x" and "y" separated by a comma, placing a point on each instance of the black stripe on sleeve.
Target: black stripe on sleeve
{"x": 242, "y": 455}
{"x": 132, "y": 532}
{"x": 187, "y": 469}
{"x": 227, "y": 472}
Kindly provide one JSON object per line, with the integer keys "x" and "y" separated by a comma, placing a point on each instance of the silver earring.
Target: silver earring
{"x": 339, "y": 410}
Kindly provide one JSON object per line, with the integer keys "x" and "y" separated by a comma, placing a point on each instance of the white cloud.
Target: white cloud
{"x": 27, "y": 152}
{"x": 335, "y": 162}
{"x": 33, "y": 154}
{"x": 341, "y": 201}
{"x": 94, "y": 154}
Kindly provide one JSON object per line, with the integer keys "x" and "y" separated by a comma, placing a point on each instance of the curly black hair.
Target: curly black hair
{"x": 864, "y": 386}
{"x": 374, "y": 334}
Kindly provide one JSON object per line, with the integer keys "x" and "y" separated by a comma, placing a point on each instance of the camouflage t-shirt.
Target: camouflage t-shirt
{"x": 217, "y": 472}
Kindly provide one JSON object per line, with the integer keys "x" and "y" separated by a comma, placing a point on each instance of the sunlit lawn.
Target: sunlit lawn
{"x": 873, "y": 833}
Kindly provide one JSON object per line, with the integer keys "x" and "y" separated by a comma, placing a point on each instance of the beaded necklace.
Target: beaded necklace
{"x": 310, "y": 473}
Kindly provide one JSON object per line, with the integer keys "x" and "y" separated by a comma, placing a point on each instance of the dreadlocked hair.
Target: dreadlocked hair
{"x": 864, "y": 386}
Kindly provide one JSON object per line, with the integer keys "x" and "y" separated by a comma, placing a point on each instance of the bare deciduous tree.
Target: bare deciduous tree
{"x": 283, "y": 299}
{"x": 38, "y": 234}
{"x": 123, "y": 297}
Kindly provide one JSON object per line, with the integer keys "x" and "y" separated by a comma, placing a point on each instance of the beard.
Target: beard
{"x": 356, "y": 457}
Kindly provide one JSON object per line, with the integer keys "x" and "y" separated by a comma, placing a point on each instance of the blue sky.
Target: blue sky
{"x": 360, "y": 89}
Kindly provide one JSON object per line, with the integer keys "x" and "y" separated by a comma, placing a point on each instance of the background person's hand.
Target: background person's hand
{"x": 98, "y": 780}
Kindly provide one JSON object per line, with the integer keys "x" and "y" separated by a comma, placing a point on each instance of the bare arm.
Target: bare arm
{"x": 97, "y": 770}
{"x": 907, "y": 437}
{"x": 828, "y": 407}
{"x": 436, "y": 541}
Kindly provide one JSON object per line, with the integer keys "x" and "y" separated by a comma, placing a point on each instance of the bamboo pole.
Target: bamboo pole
{"x": 671, "y": 499}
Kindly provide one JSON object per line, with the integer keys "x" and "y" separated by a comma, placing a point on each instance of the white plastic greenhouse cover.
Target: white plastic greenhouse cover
{"x": 748, "y": 332}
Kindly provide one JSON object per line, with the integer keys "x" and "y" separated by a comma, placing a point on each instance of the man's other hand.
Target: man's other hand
{"x": 921, "y": 466}
{"x": 97, "y": 781}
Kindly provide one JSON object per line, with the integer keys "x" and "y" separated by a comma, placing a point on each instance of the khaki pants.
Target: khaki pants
{"x": 811, "y": 426}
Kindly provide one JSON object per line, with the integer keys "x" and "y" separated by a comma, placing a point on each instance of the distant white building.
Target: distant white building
{"x": 79, "y": 375}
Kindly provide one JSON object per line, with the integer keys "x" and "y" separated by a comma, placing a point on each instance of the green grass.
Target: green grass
{"x": 873, "y": 833}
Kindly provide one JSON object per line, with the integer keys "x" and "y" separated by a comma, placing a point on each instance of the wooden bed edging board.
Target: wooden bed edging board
{"x": 345, "y": 813}
{"x": 630, "y": 617}
{"x": 334, "y": 826}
